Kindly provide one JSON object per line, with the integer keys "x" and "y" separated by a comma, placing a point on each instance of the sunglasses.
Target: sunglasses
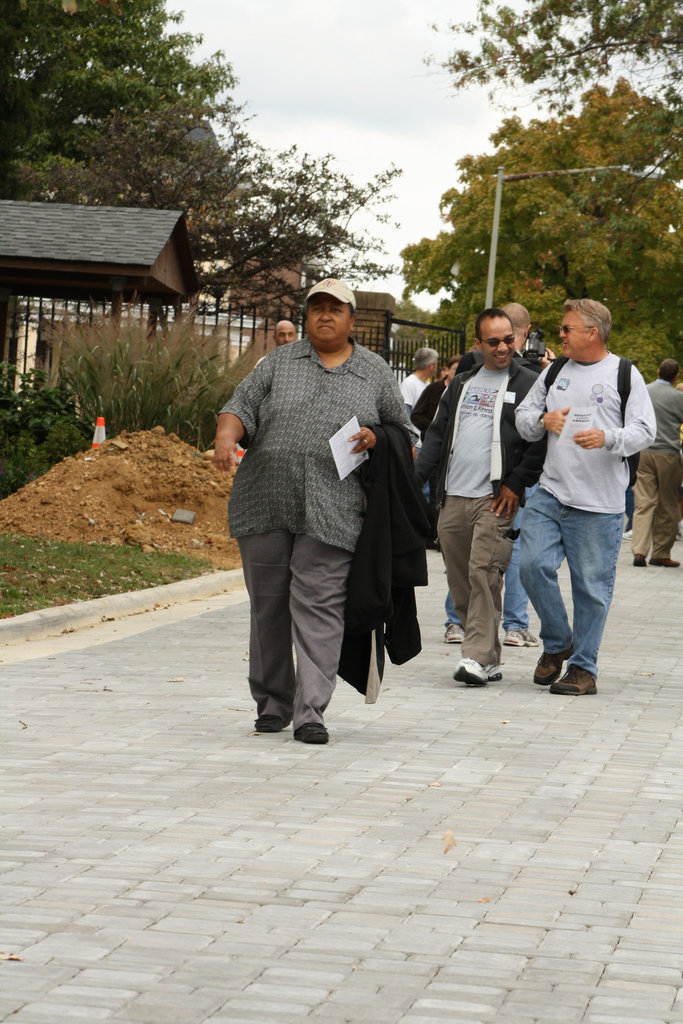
{"x": 566, "y": 328}
{"x": 509, "y": 339}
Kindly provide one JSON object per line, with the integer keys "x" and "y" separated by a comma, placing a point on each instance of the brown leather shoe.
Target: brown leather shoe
{"x": 668, "y": 562}
{"x": 575, "y": 682}
{"x": 639, "y": 560}
{"x": 550, "y": 665}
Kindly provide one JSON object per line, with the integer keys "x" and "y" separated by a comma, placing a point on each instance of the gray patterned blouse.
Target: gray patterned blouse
{"x": 291, "y": 405}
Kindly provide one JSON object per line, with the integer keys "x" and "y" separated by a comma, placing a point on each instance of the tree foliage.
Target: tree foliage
{"x": 255, "y": 217}
{"x": 608, "y": 235}
{"x": 105, "y": 104}
{"x": 559, "y": 46}
{"x": 66, "y": 65}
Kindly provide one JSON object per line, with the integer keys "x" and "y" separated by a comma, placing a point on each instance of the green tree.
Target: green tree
{"x": 559, "y": 46}
{"x": 67, "y": 65}
{"x": 255, "y": 217}
{"x": 610, "y": 235}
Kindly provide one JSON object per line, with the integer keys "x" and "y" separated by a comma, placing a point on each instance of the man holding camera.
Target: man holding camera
{"x": 530, "y": 349}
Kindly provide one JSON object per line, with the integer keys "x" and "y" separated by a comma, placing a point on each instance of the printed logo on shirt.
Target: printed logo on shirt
{"x": 482, "y": 399}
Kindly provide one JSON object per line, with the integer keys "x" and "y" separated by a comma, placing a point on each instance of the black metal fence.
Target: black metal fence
{"x": 397, "y": 340}
{"x": 31, "y": 320}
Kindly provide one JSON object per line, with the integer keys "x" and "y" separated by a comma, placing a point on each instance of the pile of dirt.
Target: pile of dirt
{"x": 127, "y": 492}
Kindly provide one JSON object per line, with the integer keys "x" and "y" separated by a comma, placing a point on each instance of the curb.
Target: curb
{"x": 51, "y": 621}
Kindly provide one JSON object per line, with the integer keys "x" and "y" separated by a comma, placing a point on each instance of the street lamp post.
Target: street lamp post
{"x": 502, "y": 177}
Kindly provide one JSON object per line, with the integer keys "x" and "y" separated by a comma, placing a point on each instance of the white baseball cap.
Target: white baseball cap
{"x": 337, "y": 289}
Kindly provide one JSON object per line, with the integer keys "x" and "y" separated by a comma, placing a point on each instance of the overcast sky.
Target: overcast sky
{"x": 347, "y": 77}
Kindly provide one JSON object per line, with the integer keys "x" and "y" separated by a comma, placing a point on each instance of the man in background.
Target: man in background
{"x": 515, "y": 597}
{"x": 425, "y": 362}
{"x": 284, "y": 333}
{"x": 657, "y": 486}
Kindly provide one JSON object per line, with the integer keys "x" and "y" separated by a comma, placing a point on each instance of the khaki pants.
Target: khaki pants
{"x": 476, "y": 550}
{"x": 655, "y": 519}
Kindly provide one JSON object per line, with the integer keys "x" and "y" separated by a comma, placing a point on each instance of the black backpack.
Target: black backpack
{"x": 624, "y": 389}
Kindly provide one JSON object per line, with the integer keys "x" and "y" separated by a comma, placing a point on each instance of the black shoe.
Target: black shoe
{"x": 270, "y": 723}
{"x": 311, "y": 732}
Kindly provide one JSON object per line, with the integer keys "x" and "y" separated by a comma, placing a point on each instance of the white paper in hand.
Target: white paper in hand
{"x": 341, "y": 448}
{"x": 579, "y": 418}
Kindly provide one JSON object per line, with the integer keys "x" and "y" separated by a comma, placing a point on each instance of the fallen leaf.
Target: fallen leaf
{"x": 23, "y": 724}
{"x": 10, "y": 956}
{"x": 438, "y": 784}
{"x": 505, "y": 721}
{"x": 448, "y": 841}
{"x": 177, "y": 679}
{"x": 484, "y": 899}
{"x": 571, "y": 891}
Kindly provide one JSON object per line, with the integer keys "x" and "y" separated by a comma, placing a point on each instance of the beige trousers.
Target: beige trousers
{"x": 476, "y": 549}
{"x": 655, "y": 517}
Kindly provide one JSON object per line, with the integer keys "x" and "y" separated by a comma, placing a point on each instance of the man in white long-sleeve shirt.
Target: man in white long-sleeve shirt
{"x": 577, "y": 512}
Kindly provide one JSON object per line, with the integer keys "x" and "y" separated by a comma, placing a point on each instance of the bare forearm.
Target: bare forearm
{"x": 229, "y": 431}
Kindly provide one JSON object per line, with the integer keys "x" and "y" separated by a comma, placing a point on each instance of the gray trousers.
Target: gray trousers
{"x": 476, "y": 551}
{"x": 297, "y": 589}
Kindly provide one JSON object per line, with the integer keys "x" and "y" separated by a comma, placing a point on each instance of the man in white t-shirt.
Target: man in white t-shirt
{"x": 483, "y": 468}
{"x": 425, "y": 362}
{"x": 577, "y": 512}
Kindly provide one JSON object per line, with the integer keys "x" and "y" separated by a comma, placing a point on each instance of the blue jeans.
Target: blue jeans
{"x": 590, "y": 542}
{"x": 451, "y": 614}
{"x": 515, "y": 597}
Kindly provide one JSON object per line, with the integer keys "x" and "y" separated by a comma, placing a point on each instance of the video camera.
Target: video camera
{"x": 535, "y": 345}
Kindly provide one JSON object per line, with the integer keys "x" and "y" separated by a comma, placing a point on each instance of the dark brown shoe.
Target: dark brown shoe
{"x": 668, "y": 562}
{"x": 639, "y": 560}
{"x": 575, "y": 682}
{"x": 550, "y": 666}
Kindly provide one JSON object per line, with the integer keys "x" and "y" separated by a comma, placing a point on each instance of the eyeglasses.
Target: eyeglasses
{"x": 566, "y": 328}
{"x": 509, "y": 339}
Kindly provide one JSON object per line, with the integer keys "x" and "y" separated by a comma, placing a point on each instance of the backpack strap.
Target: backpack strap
{"x": 624, "y": 384}
{"x": 553, "y": 371}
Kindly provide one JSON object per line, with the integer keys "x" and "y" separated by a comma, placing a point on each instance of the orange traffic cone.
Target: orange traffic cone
{"x": 100, "y": 435}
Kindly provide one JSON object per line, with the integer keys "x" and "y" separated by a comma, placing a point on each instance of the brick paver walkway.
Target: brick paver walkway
{"x": 163, "y": 865}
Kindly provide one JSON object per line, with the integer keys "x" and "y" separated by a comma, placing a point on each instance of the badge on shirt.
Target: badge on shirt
{"x": 509, "y": 397}
{"x": 562, "y": 384}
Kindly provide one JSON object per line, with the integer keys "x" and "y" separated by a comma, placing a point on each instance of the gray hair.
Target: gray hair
{"x": 424, "y": 357}
{"x": 593, "y": 314}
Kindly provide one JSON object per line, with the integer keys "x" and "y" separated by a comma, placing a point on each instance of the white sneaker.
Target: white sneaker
{"x": 628, "y": 534}
{"x": 514, "y": 638}
{"x": 453, "y": 634}
{"x": 472, "y": 673}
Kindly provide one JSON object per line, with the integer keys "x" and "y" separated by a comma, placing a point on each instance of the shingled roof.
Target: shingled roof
{"x": 64, "y": 251}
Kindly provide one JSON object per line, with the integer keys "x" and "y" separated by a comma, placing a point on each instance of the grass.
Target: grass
{"x": 37, "y": 573}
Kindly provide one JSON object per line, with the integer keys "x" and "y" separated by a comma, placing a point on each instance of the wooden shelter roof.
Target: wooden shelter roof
{"x": 92, "y": 252}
